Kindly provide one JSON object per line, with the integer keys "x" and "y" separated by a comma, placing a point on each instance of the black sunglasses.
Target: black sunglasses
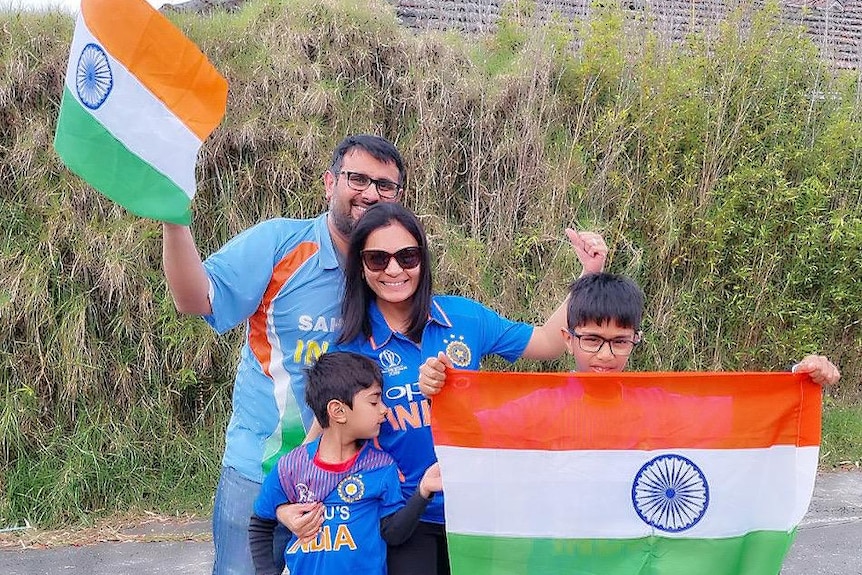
{"x": 378, "y": 260}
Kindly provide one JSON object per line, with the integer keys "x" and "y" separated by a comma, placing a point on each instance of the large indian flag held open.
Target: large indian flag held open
{"x": 139, "y": 100}
{"x": 625, "y": 474}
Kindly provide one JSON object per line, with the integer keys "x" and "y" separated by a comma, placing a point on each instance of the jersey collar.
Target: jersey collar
{"x": 381, "y": 333}
{"x": 328, "y": 254}
{"x": 438, "y": 315}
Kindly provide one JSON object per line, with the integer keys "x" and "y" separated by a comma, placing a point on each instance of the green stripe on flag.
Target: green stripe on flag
{"x": 756, "y": 553}
{"x": 91, "y": 152}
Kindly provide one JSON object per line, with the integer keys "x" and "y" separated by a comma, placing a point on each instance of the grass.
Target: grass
{"x": 841, "y": 446}
{"x": 138, "y": 527}
{"x": 723, "y": 172}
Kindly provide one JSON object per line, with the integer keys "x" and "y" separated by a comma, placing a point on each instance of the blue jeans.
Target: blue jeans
{"x": 234, "y": 504}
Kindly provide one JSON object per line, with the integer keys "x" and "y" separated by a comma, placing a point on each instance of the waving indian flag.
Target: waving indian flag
{"x": 139, "y": 100}
{"x": 625, "y": 474}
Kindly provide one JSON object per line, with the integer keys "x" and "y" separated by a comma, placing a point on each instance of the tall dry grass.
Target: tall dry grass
{"x": 724, "y": 173}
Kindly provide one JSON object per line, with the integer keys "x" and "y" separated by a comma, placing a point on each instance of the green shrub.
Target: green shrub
{"x": 724, "y": 174}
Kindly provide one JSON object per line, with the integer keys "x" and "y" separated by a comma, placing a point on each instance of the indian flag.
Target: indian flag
{"x": 625, "y": 474}
{"x": 139, "y": 100}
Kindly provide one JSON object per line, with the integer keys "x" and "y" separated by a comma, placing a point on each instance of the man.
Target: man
{"x": 283, "y": 279}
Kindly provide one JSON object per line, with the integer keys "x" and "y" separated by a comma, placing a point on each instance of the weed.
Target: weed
{"x": 724, "y": 173}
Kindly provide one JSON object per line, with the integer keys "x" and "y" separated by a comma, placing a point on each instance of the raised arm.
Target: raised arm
{"x": 547, "y": 342}
{"x": 591, "y": 250}
{"x": 184, "y": 270}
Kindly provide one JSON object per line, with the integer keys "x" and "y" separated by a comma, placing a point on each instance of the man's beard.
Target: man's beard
{"x": 344, "y": 222}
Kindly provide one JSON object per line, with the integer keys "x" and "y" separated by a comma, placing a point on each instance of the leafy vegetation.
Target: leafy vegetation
{"x": 724, "y": 173}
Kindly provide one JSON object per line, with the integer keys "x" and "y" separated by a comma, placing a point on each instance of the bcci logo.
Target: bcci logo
{"x": 351, "y": 489}
{"x": 458, "y": 351}
{"x": 390, "y": 362}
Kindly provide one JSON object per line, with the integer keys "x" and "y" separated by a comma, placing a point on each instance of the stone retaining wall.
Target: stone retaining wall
{"x": 835, "y": 27}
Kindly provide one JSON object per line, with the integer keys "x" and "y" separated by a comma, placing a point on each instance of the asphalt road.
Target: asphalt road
{"x": 829, "y": 542}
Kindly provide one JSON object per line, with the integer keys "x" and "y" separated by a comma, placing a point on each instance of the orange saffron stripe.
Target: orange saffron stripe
{"x": 281, "y": 273}
{"x": 638, "y": 411}
{"x": 170, "y": 65}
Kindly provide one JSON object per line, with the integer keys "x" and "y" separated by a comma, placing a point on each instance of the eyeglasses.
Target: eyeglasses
{"x": 593, "y": 344}
{"x": 360, "y": 182}
{"x": 378, "y": 260}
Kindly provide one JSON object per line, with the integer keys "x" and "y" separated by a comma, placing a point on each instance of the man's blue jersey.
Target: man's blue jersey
{"x": 355, "y": 500}
{"x": 282, "y": 278}
{"x": 466, "y": 331}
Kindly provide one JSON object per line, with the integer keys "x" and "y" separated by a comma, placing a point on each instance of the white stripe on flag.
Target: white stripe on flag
{"x": 138, "y": 119}
{"x": 289, "y": 412}
{"x": 588, "y": 494}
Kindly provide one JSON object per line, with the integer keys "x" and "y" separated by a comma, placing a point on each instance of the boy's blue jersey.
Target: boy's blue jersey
{"x": 466, "y": 331}
{"x": 355, "y": 500}
{"x": 282, "y": 278}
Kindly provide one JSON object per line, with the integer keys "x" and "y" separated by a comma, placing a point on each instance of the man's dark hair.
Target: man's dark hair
{"x": 338, "y": 375}
{"x": 379, "y": 148}
{"x": 357, "y": 294}
{"x": 604, "y": 297}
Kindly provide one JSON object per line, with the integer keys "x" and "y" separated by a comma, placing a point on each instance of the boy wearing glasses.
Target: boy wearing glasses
{"x": 604, "y": 327}
{"x": 604, "y": 320}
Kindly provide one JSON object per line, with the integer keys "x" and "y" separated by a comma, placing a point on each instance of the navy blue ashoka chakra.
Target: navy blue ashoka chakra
{"x": 93, "y": 77}
{"x": 670, "y": 493}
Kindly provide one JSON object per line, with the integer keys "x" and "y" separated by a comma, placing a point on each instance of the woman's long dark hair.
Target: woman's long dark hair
{"x": 357, "y": 294}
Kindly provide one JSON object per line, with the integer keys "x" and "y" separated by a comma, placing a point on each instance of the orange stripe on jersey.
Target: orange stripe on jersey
{"x": 281, "y": 274}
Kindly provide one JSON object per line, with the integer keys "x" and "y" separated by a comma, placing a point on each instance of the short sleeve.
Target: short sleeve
{"x": 392, "y": 499}
{"x": 241, "y": 270}
{"x": 498, "y": 334}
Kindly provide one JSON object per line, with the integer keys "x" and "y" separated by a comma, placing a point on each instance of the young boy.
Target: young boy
{"x": 352, "y": 483}
{"x": 604, "y": 320}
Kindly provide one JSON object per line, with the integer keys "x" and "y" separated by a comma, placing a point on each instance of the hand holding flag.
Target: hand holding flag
{"x": 140, "y": 98}
{"x": 661, "y": 473}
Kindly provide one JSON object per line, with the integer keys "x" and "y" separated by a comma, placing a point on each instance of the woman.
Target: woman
{"x": 391, "y": 315}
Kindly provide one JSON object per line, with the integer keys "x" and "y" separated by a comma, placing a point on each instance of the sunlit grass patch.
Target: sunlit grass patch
{"x": 724, "y": 173}
{"x": 842, "y": 436}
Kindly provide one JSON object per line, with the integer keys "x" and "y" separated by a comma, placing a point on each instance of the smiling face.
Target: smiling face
{"x": 347, "y": 205}
{"x": 393, "y": 285}
{"x": 601, "y": 361}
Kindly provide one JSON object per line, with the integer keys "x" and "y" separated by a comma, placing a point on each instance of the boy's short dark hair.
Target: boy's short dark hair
{"x": 338, "y": 375}
{"x": 603, "y": 297}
